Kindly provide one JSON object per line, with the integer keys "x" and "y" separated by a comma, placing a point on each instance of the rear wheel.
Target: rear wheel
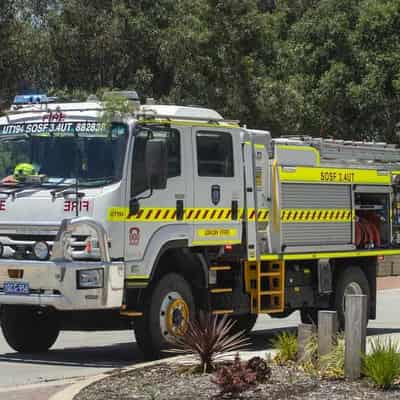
{"x": 169, "y": 307}
{"x": 351, "y": 281}
{"x": 29, "y": 330}
{"x": 244, "y": 322}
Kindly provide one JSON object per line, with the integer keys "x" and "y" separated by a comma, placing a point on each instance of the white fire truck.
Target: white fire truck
{"x": 147, "y": 220}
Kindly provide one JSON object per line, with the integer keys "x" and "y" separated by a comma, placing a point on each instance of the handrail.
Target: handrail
{"x": 62, "y": 243}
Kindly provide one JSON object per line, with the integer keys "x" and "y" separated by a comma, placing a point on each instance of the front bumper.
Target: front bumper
{"x": 54, "y": 284}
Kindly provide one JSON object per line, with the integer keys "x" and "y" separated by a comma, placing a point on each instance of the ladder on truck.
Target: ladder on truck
{"x": 334, "y": 151}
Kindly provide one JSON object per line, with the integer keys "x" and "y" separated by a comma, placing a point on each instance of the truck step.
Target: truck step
{"x": 220, "y": 268}
{"x": 221, "y": 290}
{"x": 131, "y": 314}
{"x": 265, "y": 283}
{"x": 221, "y": 312}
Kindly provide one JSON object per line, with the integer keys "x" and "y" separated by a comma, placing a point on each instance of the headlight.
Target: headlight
{"x": 90, "y": 279}
{"x": 41, "y": 250}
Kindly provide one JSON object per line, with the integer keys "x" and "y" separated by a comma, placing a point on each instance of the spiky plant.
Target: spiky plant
{"x": 382, "y": 364}
{"x": 286, "y": 344}
{"x": 208, "y": 338}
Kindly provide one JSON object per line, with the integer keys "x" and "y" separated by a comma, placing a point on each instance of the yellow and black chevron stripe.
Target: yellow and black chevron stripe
{"x": 316, "y": 215}
{"x": 120, "y": 214}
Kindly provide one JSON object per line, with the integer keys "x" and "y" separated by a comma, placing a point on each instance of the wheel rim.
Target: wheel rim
{"x": 351, "y": 288}
{"x": 174, "y": 316}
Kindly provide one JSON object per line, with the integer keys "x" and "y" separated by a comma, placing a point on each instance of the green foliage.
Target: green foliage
{"x": 304, "y": 67}
{"x": 115, "y": 107}
{"x": 382, "y": 364}
{"x": 332, "y": 364}
{"x": 286, "y": 344}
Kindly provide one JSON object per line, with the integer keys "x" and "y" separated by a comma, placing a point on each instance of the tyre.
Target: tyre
{"x": 309, "y": 316}
{"x": 28, "y": 329}
{"x": 351, "y": 281}
{"x": 244, "y": 322}
{"x": 169, "y": 306}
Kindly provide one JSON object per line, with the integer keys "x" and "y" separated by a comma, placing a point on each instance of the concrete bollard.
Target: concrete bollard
{"x": 355, "y": 334}
{"x": 327, "y": 330}
{"x": 304, "y": 333}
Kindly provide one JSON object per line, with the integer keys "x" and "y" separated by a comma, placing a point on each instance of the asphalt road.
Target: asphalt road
{"x": 77, "y": 354}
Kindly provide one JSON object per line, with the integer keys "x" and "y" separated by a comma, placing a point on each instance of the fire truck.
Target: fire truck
{"x": 147, "y": 220}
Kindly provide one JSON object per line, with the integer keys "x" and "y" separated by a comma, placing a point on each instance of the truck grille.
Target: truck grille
{"x": 20, "y": 246}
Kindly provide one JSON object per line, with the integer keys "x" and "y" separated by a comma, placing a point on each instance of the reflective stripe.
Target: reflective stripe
{"x": 316, "y": 215}
{"x": 340, "y": 254}
{"x": 120, "y": 214}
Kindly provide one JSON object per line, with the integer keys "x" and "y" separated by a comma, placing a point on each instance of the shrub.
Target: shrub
{"x": 208, "y": 338}
{"x": 235, "y": 378}
{"x": 332, "y": 364}
{"x": 382, "y": 364}
{"x": 286, "y": 344}
{"x": 261, "y": 368}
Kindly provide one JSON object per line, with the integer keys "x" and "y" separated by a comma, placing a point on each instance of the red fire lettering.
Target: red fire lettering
{"x": 67, "y": 206}
{"x": 72, "y": 205}
{"x": 85, "y": 205}
{"x": 2, "y": 205}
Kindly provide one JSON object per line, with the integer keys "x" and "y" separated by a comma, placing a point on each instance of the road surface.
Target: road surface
{"x": 78, "y": 354}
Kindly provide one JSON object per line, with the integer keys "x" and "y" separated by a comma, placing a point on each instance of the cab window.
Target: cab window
{"x": 214, "y": 154}
{"x": 139, "y": 182}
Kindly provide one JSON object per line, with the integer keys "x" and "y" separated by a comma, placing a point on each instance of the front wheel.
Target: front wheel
{"x": 169, "y": 307}
{"x": 29, "y": 330}
{"x": 351, "y": 281}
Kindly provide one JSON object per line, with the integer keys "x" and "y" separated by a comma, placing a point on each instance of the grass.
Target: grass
{"x": 332, "y": 364}
{"x": 382, "y": 364}
{"x": 286, "y": 344}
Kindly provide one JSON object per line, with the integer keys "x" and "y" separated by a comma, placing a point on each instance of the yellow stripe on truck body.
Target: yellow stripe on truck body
{"x": 120, "y": 214}
{"x": 334, "y": 175}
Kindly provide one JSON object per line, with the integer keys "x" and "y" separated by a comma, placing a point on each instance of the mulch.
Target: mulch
{"x": 170, "y": 382}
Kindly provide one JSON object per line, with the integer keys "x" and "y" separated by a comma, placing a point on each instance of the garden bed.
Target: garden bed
{"x": 168, "y": 381}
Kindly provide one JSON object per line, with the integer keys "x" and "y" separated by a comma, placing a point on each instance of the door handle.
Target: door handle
{"x": 179, "y": 210}
{"x": 234, "y": 209}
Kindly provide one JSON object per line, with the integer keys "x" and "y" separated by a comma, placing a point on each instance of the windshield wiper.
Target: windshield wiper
{"x": 63, "y": 190}
{"x": 18, "y": 188}
{"x": 90, "y": 181}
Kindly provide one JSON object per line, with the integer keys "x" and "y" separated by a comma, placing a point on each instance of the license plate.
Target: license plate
{"x": 16, "y": 288}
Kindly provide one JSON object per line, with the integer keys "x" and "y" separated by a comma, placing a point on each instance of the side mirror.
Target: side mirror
{"x": 157, "y": 163}
{"x": 134, "y": 207}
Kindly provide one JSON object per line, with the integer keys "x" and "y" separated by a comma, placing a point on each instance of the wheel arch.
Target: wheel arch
{"x": 176, "y": 256}
{"x": 368, "y": 265}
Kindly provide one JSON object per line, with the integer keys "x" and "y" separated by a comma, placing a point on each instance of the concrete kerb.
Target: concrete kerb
{"x": 71, "y": 391}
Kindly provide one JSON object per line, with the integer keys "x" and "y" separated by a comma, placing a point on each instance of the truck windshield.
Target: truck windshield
{"x": 86, "y": 151}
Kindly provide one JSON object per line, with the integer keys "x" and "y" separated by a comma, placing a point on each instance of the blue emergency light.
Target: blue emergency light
{"x": 21, "y": 99}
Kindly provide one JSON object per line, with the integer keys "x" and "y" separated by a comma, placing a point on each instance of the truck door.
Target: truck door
{"x": 218, "y": 187}
{"x": 160, "y": 217}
